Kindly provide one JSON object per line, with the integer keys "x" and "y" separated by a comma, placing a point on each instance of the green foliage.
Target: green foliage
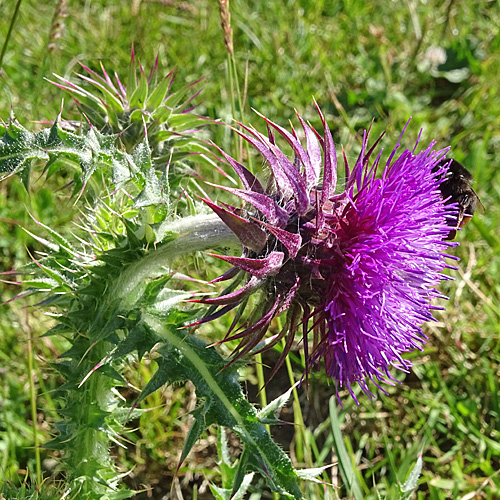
{"x": 222, "y": 402}
{"x": 94, "y": 156}
{"x": 347, "y": 470}
{"x": 11, "y": 491}
{"x": 361, "y": 61}
{"x": 410, "y": 485}
{"x": 106, "y": 314}
{"x": 229, "y": 473}
{"x": 55, "y": 147}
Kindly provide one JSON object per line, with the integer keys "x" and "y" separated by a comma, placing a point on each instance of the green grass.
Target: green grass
{"x": 361, "y": 61}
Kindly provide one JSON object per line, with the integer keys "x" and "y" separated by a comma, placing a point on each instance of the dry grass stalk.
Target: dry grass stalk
{"x": 187, "y": 6}
{"x": 57, "y": 26}
{"x": 225, "y": 21}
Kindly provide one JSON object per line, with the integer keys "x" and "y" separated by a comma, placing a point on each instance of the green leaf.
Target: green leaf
{"x": 83, "y": 97}
{"x": 161, "y": 115}
{"x": 345, "y": 463}
{"x": 131, "y": 75}
{"x": 152, "y": 194}
{"x": 241, "y": 466}
{"x": 139, "y": 339}
{"x": 91, "y": 151}
{"x": 120, "y": 495}
{"x": 199, "y": 425}
{"x": 312, "y": 473}
{"x": 269, "y": 414}
{"x": 174, "y": 99}
{"x": 411, "y": 483}
{"x": 62, "y": 243}
{"x": 111, "y": 96}
{"x": 183, "y": 121}
{"x": 153, "y": 289}
{"x": 227, "y": 494}
{"x": 138, "y": 117}
{"x": 142, "y": 157}
{"x": 185, "y": 357}
{"x": 18, "y": 148}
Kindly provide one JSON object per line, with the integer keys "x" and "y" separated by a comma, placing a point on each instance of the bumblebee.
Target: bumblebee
{"x": 456, "y": 188}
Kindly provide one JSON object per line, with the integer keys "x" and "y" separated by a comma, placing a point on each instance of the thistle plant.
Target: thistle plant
{"x": 355, "y": 270}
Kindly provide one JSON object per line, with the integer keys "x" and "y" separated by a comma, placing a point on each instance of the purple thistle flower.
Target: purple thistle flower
{"x": 357, "y": 269}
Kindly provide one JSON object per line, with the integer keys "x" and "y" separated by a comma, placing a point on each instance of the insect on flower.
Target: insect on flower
{"x": 456, "y": 188}
{"x": 356, "y": 270}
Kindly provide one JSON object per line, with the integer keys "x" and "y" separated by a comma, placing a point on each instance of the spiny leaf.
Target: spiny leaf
{"x": 120, "y": 495}
{"x": 159, "y": 93}
{"x": 411, "y": 483}
{"x": 199, "y": 425}
{"x": 226, "y": 494}
{"x": 187, "y": 358}
{"x": 173, "y": 100}
{"x": 92, "y": 150}
{"x": 312, "y": 473}
{"x": 152, "y": 194}
{"x": 139, "y": 339}
{"x": 269, "y": 414}
{"x": 18, "y": 148}
{"x": 62, "y": 242}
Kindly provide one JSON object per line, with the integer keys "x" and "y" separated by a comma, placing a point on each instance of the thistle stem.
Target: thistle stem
{"x": 197, "y": 233}
{"x": 90, "y": 400}
{"x": 89, "y": 404}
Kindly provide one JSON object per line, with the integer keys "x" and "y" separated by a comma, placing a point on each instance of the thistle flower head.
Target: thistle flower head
{"x": 356, "y": 269}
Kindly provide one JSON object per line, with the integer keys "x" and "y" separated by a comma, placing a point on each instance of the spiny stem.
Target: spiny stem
{"x": 89, "y": 450}
{"x": 90, "y": 400}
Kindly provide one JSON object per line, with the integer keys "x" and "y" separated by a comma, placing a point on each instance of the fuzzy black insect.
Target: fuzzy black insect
{"x": 457, "y": 188}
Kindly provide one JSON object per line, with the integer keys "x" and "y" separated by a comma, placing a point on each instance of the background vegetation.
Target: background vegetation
{"x": 362, "y": 61}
